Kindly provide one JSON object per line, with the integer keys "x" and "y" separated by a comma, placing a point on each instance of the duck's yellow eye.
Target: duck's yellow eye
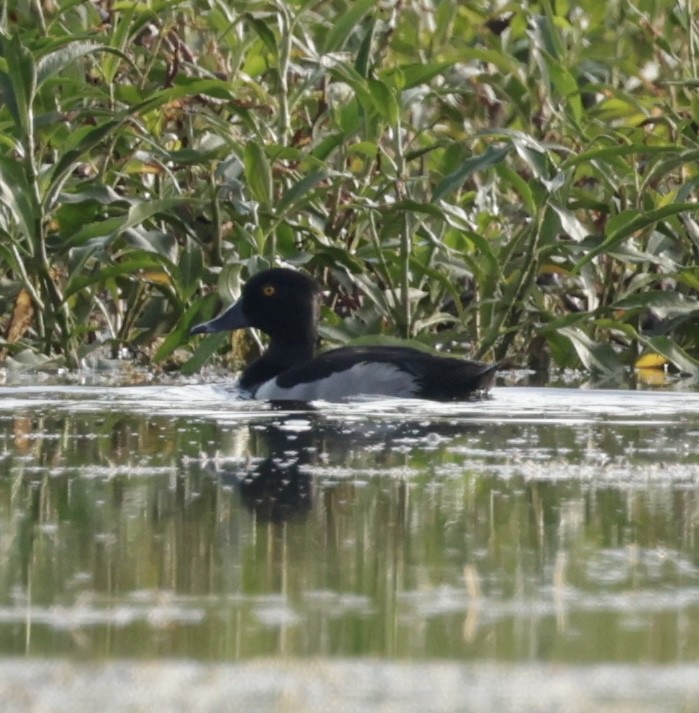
{"x": 268, "y": 290}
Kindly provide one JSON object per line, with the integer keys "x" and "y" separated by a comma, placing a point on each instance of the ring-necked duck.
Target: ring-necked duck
{"x": 283, "y": 303}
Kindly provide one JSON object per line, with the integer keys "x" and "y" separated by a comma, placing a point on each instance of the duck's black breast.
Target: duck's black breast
{"x": 377, "y": 371}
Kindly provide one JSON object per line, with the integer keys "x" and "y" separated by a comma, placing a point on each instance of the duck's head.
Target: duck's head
{"x": 282, "y": 303}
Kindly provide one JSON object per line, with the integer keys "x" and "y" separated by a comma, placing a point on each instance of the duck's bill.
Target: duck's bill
{"x": 232, "y": 318}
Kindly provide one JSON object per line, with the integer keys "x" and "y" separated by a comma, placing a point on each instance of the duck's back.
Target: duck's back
{"x": 379, "y": 371}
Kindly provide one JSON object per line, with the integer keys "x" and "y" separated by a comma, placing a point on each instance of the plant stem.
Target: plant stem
{"x": 406, "y": 243}
{"x": 284, "y": 56}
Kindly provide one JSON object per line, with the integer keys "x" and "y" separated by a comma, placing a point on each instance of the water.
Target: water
{"x": 543, "y": 536}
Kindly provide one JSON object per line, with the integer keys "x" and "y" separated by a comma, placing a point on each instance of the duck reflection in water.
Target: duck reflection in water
{"x": 280, "y": 486}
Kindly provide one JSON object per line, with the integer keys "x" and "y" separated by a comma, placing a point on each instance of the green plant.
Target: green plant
{"x": 518, "y": 184}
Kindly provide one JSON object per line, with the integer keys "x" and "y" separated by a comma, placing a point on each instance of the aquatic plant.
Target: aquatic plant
{"x": 521, "y": 183}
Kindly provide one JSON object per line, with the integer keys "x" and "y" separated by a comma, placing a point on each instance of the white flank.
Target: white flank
{"x": 365, "y": 379}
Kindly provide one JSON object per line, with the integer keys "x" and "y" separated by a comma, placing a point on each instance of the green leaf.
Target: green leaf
{"x": 185, "y": 87}
{"x": 54, "y": 62}
{"x": 345, "y": 24}
{"x": 521, "y": 186}
{"x": 664, "y": 304}
{"x": 384, "y": 101}
{"x": 80, "y": 142}
{"x": 629, "y": 222}
{"x": 122, "y": 26}
{"x": 490, "y": 157}
{"x": 362, "y": 62}
{"x": 387, "y": 340}
{"x": 17, "y": 195}
{"x": 416, "y": 74}
{"x": 326, "y": 145}
{"x": 131, "y": 266}
{"x": 300, "y": 190}
{"x": 570, "y": 223}
{"x": 607, "y": 153}
{"x": 345, "y": 73}
{"x": 546, "y": 34}
{"x": 189, "y": 269}
{"x": 112, "y": 227}
{"x": 263, "y": 32}
{"x": 566, "y": 86}
{"x": 486, "y": 267}
{"x": 258, "y": 173}
{"x": 180, "y": 335}
{"x": 203, "y": 352}
{"x": 689, "y": 277}
{"x": 595, "y": 356}
{"x": 411, "y": 206}
{"x": 18, "y": 81}
{"x": 502, "y": 61}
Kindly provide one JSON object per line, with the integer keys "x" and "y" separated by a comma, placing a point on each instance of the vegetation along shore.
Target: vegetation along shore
{"x": 514, "y": 182}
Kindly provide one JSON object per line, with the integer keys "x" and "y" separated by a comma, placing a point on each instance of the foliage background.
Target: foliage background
{"x": 500, "y": 178}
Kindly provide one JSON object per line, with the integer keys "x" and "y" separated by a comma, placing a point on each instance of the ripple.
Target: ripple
{"x": 511, "y": 404}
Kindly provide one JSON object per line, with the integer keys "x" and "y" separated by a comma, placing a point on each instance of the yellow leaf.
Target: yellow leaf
{"x": 552, "y": 269}
{"x": 650, "y": 361}
{"x": 134, "y": 166}
{"x": 156, "y": 277}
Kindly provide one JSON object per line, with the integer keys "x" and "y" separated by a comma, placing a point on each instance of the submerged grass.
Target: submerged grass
{"x": 518, "y": 180}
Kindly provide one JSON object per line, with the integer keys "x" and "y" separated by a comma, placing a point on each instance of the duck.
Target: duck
{"x": 285, "y": 305}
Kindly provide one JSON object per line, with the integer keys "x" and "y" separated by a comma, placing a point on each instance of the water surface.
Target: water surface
{"x": 540, "y": 528}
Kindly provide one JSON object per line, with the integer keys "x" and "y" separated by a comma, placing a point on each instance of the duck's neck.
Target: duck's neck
{"x": 280, "y": 356}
